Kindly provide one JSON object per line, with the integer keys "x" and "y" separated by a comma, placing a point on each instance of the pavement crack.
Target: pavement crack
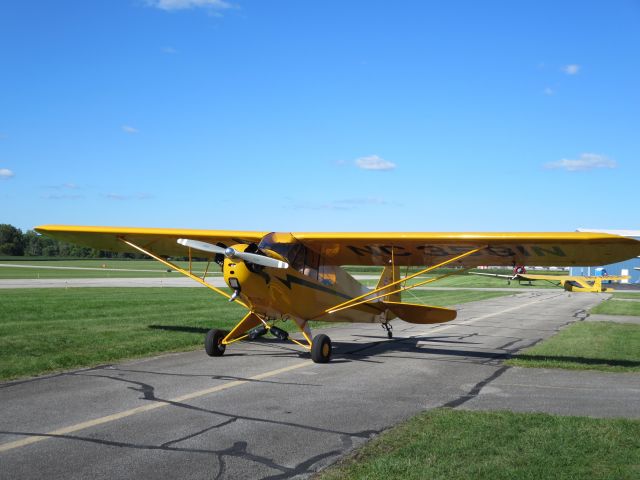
{"x": 476, "y": 388}
{"x": 200, "y": 432}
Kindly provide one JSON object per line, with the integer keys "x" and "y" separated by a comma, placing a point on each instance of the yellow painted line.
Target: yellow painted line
{"x": 144, "y": 408}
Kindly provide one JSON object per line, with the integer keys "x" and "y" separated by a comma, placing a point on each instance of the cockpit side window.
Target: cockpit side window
{"x": 327, "y": 274}
{"x": 311, "y": 264}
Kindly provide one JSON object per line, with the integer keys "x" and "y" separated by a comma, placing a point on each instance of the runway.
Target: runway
{"x": 264, "y": 410}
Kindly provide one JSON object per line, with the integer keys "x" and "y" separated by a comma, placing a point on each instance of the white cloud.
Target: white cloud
{"x": 571, "y": 69}
{"x": 185, "y": 4}
{"x": 5, "y": 173}
{"x": 587, "y": 161}
{"x": 64, "y": 186}
{"x": 169, "y": 50}
{"x": 136, "y": 196}
{"x": 549, "y": 91}
{"x": 61, "y": 196}
{"x": 129, "y": 129}
{"x": 374, "y": 162}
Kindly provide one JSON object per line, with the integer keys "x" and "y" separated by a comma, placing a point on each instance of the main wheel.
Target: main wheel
{"x": 213, "y": 343}
{"x": 321, "y": 348}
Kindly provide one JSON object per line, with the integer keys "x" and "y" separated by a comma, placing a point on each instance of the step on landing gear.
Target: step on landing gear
{"x": 389, "y": 328}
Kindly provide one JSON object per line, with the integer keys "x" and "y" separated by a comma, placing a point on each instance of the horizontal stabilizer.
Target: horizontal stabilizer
{"x": 413, "y": 313}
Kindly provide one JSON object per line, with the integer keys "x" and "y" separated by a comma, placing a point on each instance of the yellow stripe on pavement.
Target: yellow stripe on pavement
{"x": 144, "y": 408}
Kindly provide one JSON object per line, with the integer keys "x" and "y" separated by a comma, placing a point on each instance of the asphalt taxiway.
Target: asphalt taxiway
{"x": 264, "y": 410}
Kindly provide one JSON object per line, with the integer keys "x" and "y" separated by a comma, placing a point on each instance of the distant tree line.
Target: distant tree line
{"x": 14, "y": 242}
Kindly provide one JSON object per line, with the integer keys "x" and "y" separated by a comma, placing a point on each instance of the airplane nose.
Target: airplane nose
{"x": 229, "y": 252}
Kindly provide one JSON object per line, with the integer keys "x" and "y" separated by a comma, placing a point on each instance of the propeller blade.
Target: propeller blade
{"x": 255, "y": 258}
{"x": 202, "y": 246}
{"x": 233, "y": 253}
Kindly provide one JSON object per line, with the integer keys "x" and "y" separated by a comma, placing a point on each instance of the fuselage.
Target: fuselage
{"x": 303, "y": 291}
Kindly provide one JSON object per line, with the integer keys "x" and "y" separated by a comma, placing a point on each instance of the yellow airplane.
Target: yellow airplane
{"x": 571, "y": 283}
{"x": 298, "y": 276}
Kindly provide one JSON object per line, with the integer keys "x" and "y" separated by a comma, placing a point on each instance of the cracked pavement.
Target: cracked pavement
{"x": 264, "y": 410}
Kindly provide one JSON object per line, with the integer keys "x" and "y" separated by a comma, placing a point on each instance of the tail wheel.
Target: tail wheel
{"x": 213, "y": 343}
{"x": 321, "y": 348}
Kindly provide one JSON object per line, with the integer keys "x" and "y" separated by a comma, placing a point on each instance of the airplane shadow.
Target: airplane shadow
{"x": 344, "y": 352}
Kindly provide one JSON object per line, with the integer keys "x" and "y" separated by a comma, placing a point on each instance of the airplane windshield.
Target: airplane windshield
{"x": 300, "y": 258}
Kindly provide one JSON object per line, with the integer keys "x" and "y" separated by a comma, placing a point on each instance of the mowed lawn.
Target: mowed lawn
{"x": 457, "y": 444}
{"x": 43, "y": 330}
{"x": 620, "y": 304}
{"x": 606, "y": 346}
{"x": 32, "y": 268}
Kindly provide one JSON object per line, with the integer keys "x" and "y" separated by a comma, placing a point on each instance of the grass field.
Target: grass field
{"x": 471, "y": 281}
{"x": 447, "y": 444}
{"x": 95, "y": 268}
{"x": 43, "y": 330}
{"x": 619, "y": 305}
{"x": 603, "y": 346}
{"x": 118, "y": 268}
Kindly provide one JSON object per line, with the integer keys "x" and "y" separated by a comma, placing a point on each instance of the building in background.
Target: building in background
{"x": 628, "y": 267}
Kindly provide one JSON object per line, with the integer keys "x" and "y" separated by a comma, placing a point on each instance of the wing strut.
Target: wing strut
{"x": 181, "y": 270}
{"x": 363, "y": 298}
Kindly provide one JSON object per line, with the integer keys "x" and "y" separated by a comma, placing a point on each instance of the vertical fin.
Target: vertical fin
{"x": 390, "y": 274}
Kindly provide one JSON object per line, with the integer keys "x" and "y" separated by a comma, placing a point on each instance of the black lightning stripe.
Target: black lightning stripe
{"x": 305, "y": 283}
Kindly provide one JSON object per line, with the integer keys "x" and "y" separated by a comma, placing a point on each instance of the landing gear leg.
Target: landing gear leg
{"x": 389, "y": 328}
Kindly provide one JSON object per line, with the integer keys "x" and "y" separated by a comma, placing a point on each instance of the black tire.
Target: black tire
{"x": 321, "y": 348}
{"x": 213, "y": 343}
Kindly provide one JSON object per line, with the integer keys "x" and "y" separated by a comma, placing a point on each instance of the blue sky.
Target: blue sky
{"x": 315, "y": 116}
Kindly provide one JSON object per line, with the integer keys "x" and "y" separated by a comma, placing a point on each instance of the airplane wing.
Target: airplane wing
{"x": 162, "y": 241}
{"x": 560, "y": 278}
{"x": 498, "y": 275}
{"x": 550, "y": 278}
{"x": 500, "y": 249}
{"x": 411, "y": 249}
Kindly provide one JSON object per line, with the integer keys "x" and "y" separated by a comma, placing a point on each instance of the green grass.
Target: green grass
{"x": 455, "y": 444}
{"x": 603, "y": 346}
{"x": 472, "y": 281}
{"x": 631, "y": 295}
{"x": 44, "y": 330}
{"x": 618, "y": 307}
{"x": 447, "y": 298}
{"x": 117, "y": 268}
{"x": 107, "y": 269}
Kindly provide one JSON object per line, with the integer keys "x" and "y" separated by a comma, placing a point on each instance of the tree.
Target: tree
{"x": 11, "y": 240}
{"x": 32, "y": 244}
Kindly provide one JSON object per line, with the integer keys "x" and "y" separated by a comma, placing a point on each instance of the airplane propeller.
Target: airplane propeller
{"x": 232, "y": 253}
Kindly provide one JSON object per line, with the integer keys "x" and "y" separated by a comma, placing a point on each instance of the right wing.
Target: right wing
{"x": 161, "y": 241}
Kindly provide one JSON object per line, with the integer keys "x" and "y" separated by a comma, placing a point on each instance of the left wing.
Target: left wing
{"x": 497, "y": 275}
{"x": 501, "y": 249}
